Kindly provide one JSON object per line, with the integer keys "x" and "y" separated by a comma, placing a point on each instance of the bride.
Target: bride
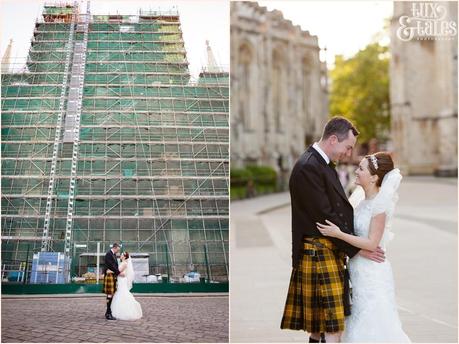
{"x": 124, "y": 305}
{"x": 374, "y": 315}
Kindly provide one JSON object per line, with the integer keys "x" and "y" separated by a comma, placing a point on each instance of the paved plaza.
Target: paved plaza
{"x": 423, "y": 255}
{"x": 192, "y": 319}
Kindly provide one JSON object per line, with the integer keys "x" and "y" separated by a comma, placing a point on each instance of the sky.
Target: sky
{"x": 201, "y": 20}
{"x": 343, "y": 27}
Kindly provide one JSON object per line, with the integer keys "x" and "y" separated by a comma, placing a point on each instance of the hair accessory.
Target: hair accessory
{"x": 374, "y": 161}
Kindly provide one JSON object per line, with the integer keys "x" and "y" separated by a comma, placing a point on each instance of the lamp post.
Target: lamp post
{"x": 97, "y": 262}
{"x": 75, "y": 246}
{"x": 207, "y": 263}
{"x": 26, "y": 265}
{"x": 47, "y": 272}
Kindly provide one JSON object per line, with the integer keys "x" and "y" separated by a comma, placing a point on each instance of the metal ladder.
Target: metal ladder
{"x": 72, "y": 118}
{"x": 45, "y": 242}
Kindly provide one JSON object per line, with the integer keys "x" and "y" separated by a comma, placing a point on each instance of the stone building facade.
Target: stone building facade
{"x": 279, "y": 100}
{"x": 423, "y": 90}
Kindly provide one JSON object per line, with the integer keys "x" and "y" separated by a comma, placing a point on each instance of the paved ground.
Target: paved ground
{"x": 423, "y": 256}
{"x": 165, "y": 319}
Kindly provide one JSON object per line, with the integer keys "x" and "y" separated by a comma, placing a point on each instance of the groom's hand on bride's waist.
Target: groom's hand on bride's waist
{"x": 377, "y": 255}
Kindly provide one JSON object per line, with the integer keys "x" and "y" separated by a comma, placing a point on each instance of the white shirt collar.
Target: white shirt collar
{"x": 321, "y": 152}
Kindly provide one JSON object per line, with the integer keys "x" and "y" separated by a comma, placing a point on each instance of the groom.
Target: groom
{"x": 110, "y": 273}
{"x": 318, "y": 296}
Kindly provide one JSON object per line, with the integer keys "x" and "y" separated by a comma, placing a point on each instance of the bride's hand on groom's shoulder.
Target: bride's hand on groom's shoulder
{"x": 330, "y": 229}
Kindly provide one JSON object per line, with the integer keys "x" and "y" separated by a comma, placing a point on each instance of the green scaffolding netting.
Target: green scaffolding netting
{"x": 153, "y": 151}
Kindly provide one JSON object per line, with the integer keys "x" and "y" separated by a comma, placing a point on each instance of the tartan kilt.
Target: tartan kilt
{"x": 315, "y": 295}
{"x": 109, "y": 283}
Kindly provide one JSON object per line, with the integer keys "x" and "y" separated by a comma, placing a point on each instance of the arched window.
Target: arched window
{"x": 278, "y": 88}
{"x": 306, "y": 87}
{"x": 245, "y": 72}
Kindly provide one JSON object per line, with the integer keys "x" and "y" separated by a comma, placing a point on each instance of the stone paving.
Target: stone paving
{"x": 175, "y": 319}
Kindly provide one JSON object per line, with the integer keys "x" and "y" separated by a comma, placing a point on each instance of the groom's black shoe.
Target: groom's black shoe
{"x": 109, "y": 317}
{"x": 108, "y": 312}
{"x": 322, "y": 338}
{"x": 312, "y": 340}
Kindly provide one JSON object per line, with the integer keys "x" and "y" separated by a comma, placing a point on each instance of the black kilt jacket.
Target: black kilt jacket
{"x": 317, "y": 195}
{"x": 111, "y": 263}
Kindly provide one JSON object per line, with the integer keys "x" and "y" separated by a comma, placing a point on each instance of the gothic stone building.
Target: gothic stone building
{"x": 423, "y": 74}
{"x": 279, "y": 100}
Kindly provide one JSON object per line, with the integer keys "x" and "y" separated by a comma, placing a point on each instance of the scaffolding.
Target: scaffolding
{"x": 107, "y": 138}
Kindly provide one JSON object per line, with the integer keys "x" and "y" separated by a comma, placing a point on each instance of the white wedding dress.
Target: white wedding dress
{"x": 124, "y": 305}
{"x": 374, "y": 316}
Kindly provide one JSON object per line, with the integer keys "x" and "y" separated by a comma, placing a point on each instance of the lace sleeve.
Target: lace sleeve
{"x": 357, "y": 196}
{"x": 122, "y": 266}
{"x": 381, "y": 206}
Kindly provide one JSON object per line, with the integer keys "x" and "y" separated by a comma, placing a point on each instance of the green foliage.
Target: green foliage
{"x": 360, "y": 91}
{"x": 252, "y": 180}
{"x": 239, "y": 176}
{"x": 263, "y": 175}
{"x": 238, "y": 192}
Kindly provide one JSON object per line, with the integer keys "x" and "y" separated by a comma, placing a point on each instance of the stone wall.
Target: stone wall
{"x": 423, "y": 74}
{"x": 279, "y": 101}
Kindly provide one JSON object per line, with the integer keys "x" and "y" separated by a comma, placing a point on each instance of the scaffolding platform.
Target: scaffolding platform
{"x": 107, "y": 138}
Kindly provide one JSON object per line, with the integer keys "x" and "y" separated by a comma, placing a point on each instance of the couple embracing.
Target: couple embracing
{"x": 118, "y": 280}
{"x": 334, "y": 243}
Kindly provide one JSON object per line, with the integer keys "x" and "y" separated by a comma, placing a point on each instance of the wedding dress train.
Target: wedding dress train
{"x": 124, "y": 305}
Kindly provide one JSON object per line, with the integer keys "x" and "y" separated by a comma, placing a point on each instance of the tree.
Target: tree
{"x": 360, "y": 91}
